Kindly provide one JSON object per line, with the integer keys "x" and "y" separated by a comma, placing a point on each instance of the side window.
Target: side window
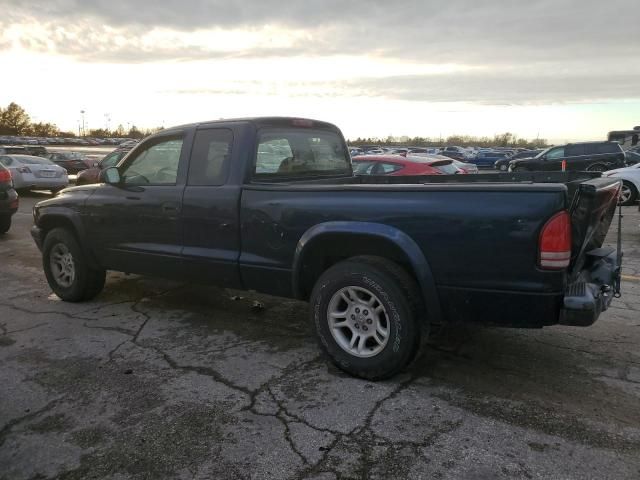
{"x": 157, "y": 164}
{"x": 591, "y": 148}
{"x": 209, "y": 157}
{"x": 575, "y": 150}
{"x": 388, "y": 168}
{"x": 555, "y": 153}
{"x": 363, "y": 168}
{"x": 607, "y": 148}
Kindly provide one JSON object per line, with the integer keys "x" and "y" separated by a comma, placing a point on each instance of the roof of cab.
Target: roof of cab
{"x": 260, "y": 122}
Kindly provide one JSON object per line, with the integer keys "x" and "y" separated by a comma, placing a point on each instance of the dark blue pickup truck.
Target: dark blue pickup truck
{"x": 271, "y": 204}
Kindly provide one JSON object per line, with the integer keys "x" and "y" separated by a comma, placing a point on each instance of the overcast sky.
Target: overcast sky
{"x": 560, "y": 69}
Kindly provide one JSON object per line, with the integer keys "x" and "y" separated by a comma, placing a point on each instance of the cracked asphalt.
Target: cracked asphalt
{"x": 156, "y": 379}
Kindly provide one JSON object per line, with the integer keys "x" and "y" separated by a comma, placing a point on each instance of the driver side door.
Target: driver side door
{"x": 134, "y": 226}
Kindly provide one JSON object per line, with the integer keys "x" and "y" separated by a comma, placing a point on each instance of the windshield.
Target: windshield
{"x": 300, "y": 152}
{"x": 543, "y": 152}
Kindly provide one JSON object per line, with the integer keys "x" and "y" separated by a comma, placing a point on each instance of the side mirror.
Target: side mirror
{"x": 110, "y": 176}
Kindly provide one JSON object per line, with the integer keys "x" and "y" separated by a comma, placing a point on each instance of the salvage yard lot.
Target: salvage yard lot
{"x": 156, "y": 379}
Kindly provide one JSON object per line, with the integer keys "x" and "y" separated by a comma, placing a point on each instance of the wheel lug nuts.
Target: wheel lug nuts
{"x": 353, "y": 317}
{"x": 369, "y": 321}
{"x": 365, "y": 328}
{"x": 357, "y": 326}
{"x": 357, "y": 310}
{"x": 366, "y": 312}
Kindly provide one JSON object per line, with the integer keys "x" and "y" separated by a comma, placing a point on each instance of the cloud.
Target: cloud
{"x": 490, "y": 88}
{"x": 509, "y": 52}
{"x": 461, "y": 31}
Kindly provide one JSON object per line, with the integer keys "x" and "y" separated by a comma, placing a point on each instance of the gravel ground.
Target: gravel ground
{"x": 155, "y": 379}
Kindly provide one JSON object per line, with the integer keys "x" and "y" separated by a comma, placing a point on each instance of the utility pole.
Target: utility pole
{"x": 84, "y": 132}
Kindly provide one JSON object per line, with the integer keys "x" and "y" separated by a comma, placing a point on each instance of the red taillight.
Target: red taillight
{"x": 555, "y": 242}
{"x": 5, "y": 176}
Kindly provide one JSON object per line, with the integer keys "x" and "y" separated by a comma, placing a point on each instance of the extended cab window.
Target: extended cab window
{"x": 156, "y": 164}
{"x": 211, "y": 149}
{"x": 576, "y": 150}
{"x": 300, "y": 153}
{"x": 608, "y": 148}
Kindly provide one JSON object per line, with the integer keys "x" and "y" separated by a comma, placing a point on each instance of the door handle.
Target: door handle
{"x": 170, "y": 207}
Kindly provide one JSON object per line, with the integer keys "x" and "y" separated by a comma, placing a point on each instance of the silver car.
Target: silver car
{"x": 35, "y": 173}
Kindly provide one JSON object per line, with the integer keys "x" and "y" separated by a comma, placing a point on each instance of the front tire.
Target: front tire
{"x": 629, "y": 193}
{"x": 5, "y": 224}
{"x": 67, "y": 270}
{"x": 365, "y": 311}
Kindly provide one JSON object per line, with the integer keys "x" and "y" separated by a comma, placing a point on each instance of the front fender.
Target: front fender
{"x": 47, "y": 217}
{"x": 401, "y": 240}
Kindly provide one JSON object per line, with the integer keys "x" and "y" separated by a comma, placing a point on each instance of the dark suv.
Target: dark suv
{"x": 8, "y": 199}
{"x": 584, "y": 156}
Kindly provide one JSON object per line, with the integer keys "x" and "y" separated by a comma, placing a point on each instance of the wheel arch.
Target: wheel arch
{"x": 61, "y": 218}
{"x": 325, "y": 244}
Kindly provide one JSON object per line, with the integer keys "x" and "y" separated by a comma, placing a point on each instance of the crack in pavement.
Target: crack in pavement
{"x": 52, "y": 312}
{"x": 26, "y": 329}
{"x": 6, "y": 429}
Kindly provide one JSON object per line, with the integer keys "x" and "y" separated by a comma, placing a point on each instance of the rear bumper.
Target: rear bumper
{"x": 8, "y": 202}
{"x": 592, "y": 293}
{"x": 30, "y": 181}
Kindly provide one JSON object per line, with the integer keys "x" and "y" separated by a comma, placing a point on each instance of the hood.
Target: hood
{"x": 621, "y": 170}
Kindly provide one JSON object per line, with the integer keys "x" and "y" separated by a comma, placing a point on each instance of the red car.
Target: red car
{"x": 400, "y": 165}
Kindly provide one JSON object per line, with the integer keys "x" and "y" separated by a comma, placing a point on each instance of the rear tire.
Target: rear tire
{"x": 67, "y": 270}
{"x": 629, "y": 192}
{"x": 5, "y": 224}
{"x": 366, "y": 313}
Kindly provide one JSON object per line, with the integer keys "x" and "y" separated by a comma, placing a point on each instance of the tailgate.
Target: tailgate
{"x": 592, "y": 210}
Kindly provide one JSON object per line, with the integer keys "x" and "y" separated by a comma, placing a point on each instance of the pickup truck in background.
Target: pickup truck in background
{"x": 272, "y": 205}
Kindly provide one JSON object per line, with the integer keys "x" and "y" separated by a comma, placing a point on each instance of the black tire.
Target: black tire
{"x": 5, "y": 224}
{"x": 633, "y": 193}
{"x": 396, "y": 291}
{"x": 87, "y": 282}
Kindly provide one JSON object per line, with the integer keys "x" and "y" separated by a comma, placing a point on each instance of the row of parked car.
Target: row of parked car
{"x": 594, "y": 156}
{"x": 87, "y": 141}
{"x": 600, "y": 156}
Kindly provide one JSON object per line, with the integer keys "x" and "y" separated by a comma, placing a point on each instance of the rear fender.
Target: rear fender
{"x": 414, "y": 256}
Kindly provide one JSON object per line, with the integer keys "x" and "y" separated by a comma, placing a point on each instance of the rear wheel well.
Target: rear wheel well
{"x": 325, "y": 252}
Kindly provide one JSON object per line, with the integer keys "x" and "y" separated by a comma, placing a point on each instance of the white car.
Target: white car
{"x": 35, "y": 173}
{"x": 630, "y": 177}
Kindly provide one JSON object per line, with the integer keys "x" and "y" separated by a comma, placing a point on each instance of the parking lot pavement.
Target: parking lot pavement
{"x": 156, "y": 379}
